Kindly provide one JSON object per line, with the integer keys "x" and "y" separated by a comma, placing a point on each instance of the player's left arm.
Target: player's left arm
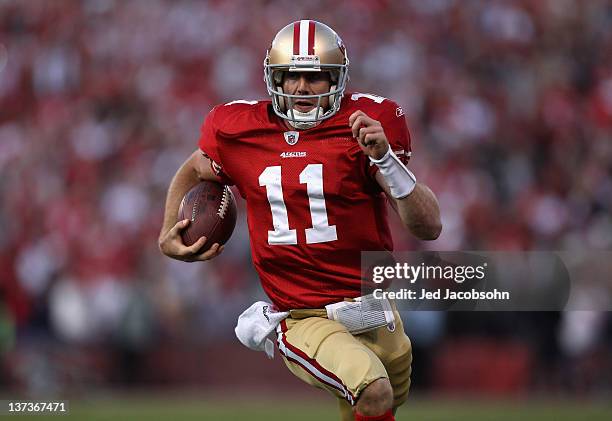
{"x": 415, "y": 203}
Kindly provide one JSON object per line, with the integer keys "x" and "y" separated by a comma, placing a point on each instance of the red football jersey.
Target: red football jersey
{"x": 312, "y": 201}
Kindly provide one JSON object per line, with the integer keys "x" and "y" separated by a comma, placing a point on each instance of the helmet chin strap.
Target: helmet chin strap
{"x": 297, "y": 117}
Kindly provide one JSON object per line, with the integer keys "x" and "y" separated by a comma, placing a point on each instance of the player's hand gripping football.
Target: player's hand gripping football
{"x": 369, "y": 134}
{"x": 171, "y": 244}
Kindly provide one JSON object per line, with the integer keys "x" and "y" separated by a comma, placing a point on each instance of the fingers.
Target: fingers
{"x": 360, "y": 119}
{"x": 179, "y": 226}
{"x": 195, "y": 247}
{"x": 357, "y": 123}
{"x": 172, "y": 245}
{"x": 211, "y": 253}
{"x": 355, "y": 115}
{"x": 368, "y": 136}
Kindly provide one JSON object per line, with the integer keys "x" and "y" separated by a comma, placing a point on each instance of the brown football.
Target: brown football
{"x": 211, "y": 208}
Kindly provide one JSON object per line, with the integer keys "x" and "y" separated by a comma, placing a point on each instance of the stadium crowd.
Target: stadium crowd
{"x": 509, "y": 104}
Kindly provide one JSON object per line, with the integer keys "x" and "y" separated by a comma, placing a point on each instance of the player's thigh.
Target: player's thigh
{"x": 324, "y": 354}
{"x": 394, "y": 350}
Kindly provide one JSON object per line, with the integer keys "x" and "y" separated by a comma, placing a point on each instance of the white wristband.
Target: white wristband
{"x": 400, "y": 180}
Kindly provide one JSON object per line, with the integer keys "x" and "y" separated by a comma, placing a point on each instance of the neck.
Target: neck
{"x": 287, "y": 125}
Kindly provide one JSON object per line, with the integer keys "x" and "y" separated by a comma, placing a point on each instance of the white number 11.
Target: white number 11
{"x": 312, "y": 176}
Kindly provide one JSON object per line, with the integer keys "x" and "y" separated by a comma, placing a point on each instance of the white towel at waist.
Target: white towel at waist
{"x": 256, "y": 323}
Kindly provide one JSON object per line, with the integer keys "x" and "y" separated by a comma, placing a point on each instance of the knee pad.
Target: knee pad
{"x": 399, "y": 370}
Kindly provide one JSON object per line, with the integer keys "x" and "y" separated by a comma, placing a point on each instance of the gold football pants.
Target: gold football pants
{"x": 324, "y": 354}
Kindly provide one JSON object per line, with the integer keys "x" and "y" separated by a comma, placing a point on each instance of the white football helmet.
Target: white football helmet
{"x": 306, "y": 46}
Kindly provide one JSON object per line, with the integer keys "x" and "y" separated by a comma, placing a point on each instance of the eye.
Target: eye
{"x": 293, "y": 76}
{"x": 318, "y": 76}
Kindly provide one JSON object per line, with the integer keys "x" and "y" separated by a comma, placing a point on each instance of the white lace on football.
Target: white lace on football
{"x": 225, "y": 197}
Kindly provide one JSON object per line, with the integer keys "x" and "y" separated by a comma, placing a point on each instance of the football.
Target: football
{"x": 211, "y": 208}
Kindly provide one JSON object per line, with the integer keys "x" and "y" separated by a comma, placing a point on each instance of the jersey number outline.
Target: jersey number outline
{"x": 312, "y": 176}
{"x": 376, "y": 98}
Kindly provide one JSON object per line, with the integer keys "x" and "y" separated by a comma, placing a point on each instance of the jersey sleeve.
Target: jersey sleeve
{"x": 209, "y": 144}
{"x": 396, "y": 130}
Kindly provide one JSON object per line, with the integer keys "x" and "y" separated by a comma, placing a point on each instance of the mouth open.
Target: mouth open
{"x": 303, "y": 105}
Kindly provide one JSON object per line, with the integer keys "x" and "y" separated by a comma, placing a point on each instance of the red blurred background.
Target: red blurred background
{"x": 510, "y": 108}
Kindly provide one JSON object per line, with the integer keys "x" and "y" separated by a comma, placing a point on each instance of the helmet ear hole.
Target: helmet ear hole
{"x": 333, "y": 77}
{"x": 277, "y": 77}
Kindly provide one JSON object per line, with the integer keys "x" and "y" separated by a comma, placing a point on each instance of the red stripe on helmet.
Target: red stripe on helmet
{"x": 311, "y": 34}
{"x": 296, "y": 38}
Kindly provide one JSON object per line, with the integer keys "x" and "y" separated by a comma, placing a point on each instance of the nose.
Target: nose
{"x": 303, "y": 87}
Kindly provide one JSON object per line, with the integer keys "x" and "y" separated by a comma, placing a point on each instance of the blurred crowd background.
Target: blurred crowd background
{"x": 510, "y": 108}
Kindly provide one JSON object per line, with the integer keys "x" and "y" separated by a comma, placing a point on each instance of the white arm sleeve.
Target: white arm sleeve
{"x": 401, "y": 180}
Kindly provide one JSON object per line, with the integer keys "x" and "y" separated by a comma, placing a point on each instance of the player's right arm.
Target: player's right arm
{"x": 195, "y": 169}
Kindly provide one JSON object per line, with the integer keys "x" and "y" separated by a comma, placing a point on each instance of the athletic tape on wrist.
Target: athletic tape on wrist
{"x": 401, "y": 180}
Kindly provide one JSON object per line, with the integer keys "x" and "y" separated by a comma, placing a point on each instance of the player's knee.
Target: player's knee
{"x": 376, "y": 398}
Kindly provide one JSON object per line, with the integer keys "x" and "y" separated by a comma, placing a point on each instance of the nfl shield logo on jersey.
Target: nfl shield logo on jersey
{"x": 292, "y": 137}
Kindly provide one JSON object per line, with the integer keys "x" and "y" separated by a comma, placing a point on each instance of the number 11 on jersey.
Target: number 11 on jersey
{"x": 312, "y": 176}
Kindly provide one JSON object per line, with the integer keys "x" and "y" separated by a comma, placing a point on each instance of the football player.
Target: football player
{"x": 317, "y": 166}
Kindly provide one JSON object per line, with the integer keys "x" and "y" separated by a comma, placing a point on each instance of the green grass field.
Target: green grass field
{"x": 188, "y": 409}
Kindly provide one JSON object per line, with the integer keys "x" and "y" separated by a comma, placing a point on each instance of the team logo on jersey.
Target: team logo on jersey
{"x": 291, "y": 137}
